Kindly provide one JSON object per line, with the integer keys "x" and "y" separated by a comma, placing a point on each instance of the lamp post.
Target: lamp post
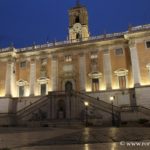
{"x": 86, "y": 104}
{"x": 112, "y": 98}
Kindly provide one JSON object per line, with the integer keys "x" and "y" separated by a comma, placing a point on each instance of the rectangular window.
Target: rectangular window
{"x": 43, "y": 89}
{"x": 23, "y": 64}
{"x": 148, "y": 44}
{"x": 68, "y": 58}
{"x": 95, "y": 85}
{"x": 21, "y": 91}
{"x": 119, "y": 51}
{"x": 122, "y": 82}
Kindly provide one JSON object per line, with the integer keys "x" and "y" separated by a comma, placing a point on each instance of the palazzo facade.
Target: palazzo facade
{"x": 100, "y": 66}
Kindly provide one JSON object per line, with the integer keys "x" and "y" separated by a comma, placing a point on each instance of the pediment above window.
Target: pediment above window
{"x": 121, "y": 72}
{"x": 22, "y": 83}
{"x": 43, "y": 80}
{"x": 95, "y": 75}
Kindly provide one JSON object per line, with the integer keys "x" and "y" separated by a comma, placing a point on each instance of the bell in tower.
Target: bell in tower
{"x": 78, "y": 23}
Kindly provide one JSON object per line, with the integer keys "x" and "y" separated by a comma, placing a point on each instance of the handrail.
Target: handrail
{"x": 26, "y": 113}
{"x": 144, "y": 110}
{"x": 100, "y": 101}
{"x": 137, "y": 108}
{"x": 31, "y": 105}
{"x": 96, "y": 106}
{"x": 31, "y": 108}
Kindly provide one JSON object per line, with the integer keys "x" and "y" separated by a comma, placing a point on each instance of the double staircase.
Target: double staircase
{"x": 30, "y": 113}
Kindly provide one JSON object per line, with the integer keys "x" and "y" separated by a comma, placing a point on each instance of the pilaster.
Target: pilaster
{"x": 107, "y": 69}
{"x": 10, "y": 84}
{"x": 54, "y": 73}
{"x": 32, "y": 77}
{"x": 135, "y": 63}
{"x": 82, "y": 71}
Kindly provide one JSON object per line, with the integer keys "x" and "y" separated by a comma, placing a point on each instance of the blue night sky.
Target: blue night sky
{"x": 24, "y": 22}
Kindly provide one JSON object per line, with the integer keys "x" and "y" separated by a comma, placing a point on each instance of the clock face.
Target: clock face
{"x": 77, "y": 27}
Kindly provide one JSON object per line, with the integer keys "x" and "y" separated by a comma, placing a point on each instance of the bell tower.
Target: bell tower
{"x": 78, "y": 23}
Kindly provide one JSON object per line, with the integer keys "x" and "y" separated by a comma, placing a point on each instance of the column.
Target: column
{"x": 107, "y": 69}
{"x": 32, "y": 77}
{"x": 10, "y": 81}
{"x": 135, "y": 63}
{"x": 82, "y": 71}
{"x": 54, "y": 73}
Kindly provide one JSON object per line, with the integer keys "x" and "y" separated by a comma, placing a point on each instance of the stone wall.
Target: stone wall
{"x": 143, "y": 96}
{"x": 122, "y": 98}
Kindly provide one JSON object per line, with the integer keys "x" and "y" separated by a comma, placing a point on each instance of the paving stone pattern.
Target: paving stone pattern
{"x": 57, "y": 138}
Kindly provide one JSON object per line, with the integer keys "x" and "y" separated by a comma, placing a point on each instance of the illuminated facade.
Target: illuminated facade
{"x": 110, "y": 64}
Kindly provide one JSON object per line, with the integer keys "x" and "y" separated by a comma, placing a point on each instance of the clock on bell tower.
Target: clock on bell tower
{"x": 78, "y": 23}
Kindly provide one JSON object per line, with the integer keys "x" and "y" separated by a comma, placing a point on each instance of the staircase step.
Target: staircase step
{"x": 55, "y": 124}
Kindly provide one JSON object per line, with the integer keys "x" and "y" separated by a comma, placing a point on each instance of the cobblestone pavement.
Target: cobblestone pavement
{"x": 75, "y": 139}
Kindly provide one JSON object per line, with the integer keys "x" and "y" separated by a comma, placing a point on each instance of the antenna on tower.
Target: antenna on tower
{"x": 78, "y": 2}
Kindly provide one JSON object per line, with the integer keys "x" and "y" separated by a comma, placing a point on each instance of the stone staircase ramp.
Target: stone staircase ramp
{"x": 99, "y": 104}
{"x": 25, "y": 112}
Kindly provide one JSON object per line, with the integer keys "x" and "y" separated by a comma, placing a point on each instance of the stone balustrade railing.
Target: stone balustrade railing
{"x": 100, "y": 37}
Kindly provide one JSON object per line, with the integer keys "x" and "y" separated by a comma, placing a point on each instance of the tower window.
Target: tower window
{"x": 77, "y": 19}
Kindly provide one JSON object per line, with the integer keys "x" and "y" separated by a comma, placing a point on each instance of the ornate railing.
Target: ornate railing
{"x": 97, "y": 103}
{"x": 142, "y": 27}
{"x": 136, "y": 108}
{"x": 100, "y": 37}
{"x": 28, "y": 110}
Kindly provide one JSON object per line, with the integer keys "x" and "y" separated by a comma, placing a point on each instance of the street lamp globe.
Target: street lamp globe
{"x": 111, "y": 98}
{"x": 86, "y": 103}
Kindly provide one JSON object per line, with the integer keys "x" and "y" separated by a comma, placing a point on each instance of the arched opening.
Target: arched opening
{"x": 61, "y": 111}
{"x": 77, "y": 19}
{"x": 68, "y": 86}
{"x": 78, "y": 36}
